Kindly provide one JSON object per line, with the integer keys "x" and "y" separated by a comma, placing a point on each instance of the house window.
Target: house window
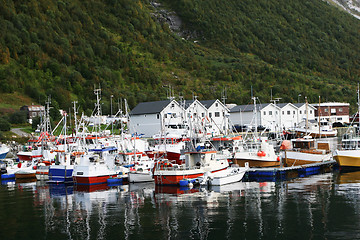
{"x": 339, "y": 118}
{"x": 165, "y": 115}
{"x": 195, "y": 114}
{"x": 288, "y": 112}
{"x": 157, "y": 116}
{"x": 270, "y": 112}
{"x": 340, "y": 109}
{"x": 217, "y": 114}
{"x": 294, "y": 112}
{"x": 283, "y": 113}
{"x": 300, "y": 112}
{"x": 326, "y": 110}
{"x": 264, "y": 113}
{"x": 216, "y": 104}
{"x": 172, "y": 105}
{"x": 203, "y": 115}
{"x": 310, "y": 111}
{"x": 210, "y": 114}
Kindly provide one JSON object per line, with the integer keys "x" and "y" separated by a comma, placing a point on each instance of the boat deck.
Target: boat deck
{"x": 286, "y": 173}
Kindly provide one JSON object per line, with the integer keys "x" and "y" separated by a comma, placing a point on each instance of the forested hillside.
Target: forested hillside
{"x": 66, "y": 48}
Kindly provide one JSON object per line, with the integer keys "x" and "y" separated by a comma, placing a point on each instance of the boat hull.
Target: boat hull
{"x": 162, "y": 177}
{"x": 301, "y": 158}
{"x": 300, "y": 134}
{"x": 256, "y": 163}
{"x": 61, "y": 174}
{"x": 347, "y": 160}
{"x": 231, "y": 178}
{"x": 92, "y": 180}
{"x": 140, "y": 177}
{"x": 3, "y": 155}
{"x": 25, "y": 175}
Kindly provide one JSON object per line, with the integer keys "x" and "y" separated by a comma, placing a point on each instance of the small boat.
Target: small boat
{"x": 142, "y": 171}
{"x": 230, "y": 175}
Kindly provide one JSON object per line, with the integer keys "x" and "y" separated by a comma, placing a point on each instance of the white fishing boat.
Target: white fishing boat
{"x": 197, "y": 162}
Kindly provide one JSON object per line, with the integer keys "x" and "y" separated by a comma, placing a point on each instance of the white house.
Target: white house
{"x": 218, "y": 115}
{"x": 288, "y": 115}
{"x": 305, "y": 111}
{"x": 270, "y": 116}
{"x": 266, "y": 115}
{"x": 149, "y": 118}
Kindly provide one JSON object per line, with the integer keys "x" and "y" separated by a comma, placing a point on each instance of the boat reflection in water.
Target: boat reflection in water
{"x": 324, "y": 205}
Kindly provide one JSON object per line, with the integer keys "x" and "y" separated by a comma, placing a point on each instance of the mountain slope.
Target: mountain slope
{"x": 66, "y": 48}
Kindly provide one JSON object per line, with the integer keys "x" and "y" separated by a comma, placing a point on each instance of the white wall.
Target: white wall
{"x": 219, "y": 117}
{"x": 270, "y": 117}
{"x": 242, "y": 118}
{"x": 289, "y": 116}
{"x": 147, "y": 124}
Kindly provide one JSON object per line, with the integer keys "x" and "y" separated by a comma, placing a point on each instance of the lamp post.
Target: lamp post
{"x": 299, "y": 98}
{"x": 112, "y": 120}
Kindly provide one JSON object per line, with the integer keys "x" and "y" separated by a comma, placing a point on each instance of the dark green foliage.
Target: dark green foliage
{"x": 66, "y": 48}
{"x": 18, "y": 117}
{"x": 35, "y": 123}
{"x": 4, "y": 125}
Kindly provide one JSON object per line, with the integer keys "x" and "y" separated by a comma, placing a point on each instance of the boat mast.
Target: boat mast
{"x": 358, "y": 107}
{"x": 255, "y": 116}
{"x": 307, "y": 115}
{"x": 319, "y": 113}
{"x": 75, "y": 119}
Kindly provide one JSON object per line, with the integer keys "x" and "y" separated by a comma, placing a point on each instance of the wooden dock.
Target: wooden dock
{"x": 285, "y": 173}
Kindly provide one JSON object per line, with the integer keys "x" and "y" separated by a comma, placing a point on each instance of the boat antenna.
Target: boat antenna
{"x": 319, "y": 114}
{"x": 358, "y": 107}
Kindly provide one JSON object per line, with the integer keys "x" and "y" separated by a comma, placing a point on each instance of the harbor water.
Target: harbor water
{"x": 324, "y": 206}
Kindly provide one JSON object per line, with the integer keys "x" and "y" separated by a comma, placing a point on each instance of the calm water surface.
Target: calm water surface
{"x": 323, "y": 206}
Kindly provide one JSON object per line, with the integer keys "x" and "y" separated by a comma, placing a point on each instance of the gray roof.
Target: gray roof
{"x": 150, "y": 107}
{"x": 208, "y": 103}
{"x": 247, "y": 108}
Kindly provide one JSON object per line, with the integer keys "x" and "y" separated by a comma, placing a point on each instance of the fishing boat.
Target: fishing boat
{"x": 348, "y": 154}
{"x": 95, "y": 167}
{"x": 315, "y": 129}
{"x": 306, "y": 150}
{"x": 169, "y": 143}
{"x": 197, "y": 162}
{"x": 254, "y": 149}
{"x": 257, "y": 152}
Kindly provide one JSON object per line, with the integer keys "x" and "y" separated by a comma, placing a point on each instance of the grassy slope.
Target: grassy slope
{"x": 65, "y": 48}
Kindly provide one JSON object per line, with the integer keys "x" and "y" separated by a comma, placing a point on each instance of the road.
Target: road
{"x": 19, "y": 132}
